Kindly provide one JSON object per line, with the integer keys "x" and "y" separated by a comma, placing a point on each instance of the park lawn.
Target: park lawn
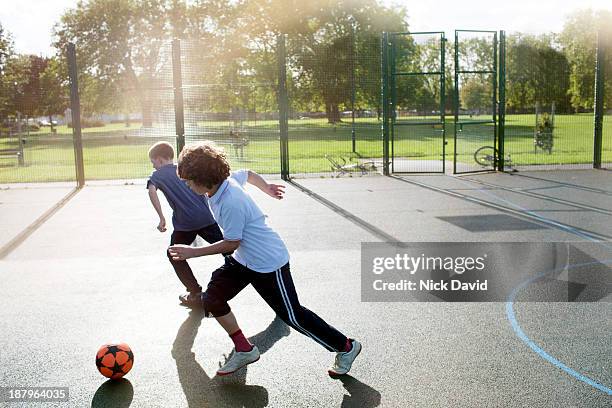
{"x": 607, "y": 141}
{"x": 113, "y": 155}
{"x": 65, "y": 130}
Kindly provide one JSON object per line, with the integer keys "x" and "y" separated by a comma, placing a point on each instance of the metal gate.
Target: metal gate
{"x": 414, "y": 94}
{"x": 475, "y": 102}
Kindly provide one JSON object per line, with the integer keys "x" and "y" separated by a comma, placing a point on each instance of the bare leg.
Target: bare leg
{"x": 229, "y": 323}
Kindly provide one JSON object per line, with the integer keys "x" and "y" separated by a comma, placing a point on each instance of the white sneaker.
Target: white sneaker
{"x": 238, "y": 360}
{"x": 344, "y": 360}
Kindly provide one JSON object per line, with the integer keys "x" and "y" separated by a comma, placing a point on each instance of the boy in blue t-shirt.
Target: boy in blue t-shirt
{"x": 260, "y": 259}
{"x": 190, "y": 213}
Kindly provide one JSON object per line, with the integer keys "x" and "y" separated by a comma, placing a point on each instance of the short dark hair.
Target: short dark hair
{"x": 204, "y": 163}
{"x": 161, "y": 149}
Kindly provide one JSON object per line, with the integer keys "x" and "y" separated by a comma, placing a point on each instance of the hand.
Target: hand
{"x": 181, "y": 252}
{"x": 275, "y": 191}
{"x": 161, "y": 227}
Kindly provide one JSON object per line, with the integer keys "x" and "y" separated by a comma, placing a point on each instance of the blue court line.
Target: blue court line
{"x": 521, "y": 334}
{"x": 510, "y": 302}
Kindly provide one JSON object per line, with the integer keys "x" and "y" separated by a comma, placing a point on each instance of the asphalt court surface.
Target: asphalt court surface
{"x": 96, "y": 271}
{"x": 22, "y": 205}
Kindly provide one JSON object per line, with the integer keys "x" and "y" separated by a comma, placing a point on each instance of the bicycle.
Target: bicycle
{"x": 341, "y": 167}
{"x": 486, "y": 156}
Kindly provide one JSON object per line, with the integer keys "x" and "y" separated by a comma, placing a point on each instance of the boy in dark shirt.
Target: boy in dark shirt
{"x": 191, "y": 215}
{"x": 261, "y": 258}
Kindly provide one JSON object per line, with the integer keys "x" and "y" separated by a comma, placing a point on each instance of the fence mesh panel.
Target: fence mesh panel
{"x": 35, "y": 136}
{"x": 230, "y": 88}
{"x": 232, "y": 101}
{"x": 416, "y": 86}
{"x": 543, "y": 129}
{"x": 475, "y": 109}
{"x": 139, "y": 113}
{"x": 606, "y": 154}
{"x": 334, "y": 103}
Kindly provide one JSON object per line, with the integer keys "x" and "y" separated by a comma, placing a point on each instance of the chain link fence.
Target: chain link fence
{"x": 333, "y": 85}
{"x": 139, "y": 112}
{"x": 475, "y": 66}
{"x": 543, "y": 129}
{"x": 417, "y": 92}
{"x": 36, "y": 142}
{"x": 229, "y": 93}
{"x": 606, "y": 151}
{"x": 232, "y": 100}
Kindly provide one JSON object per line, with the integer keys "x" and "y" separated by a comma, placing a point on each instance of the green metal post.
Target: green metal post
{"x": 599, "y": 102}
{"x": 283, "y": 106}
{"x": 20, "y": 158}
{"x": 443, "y": 98}
{"x": 501, "y": 124}
{"x": 392, "y": 89}
{"x": 353, "y": 57}
{"x": 456, "y": 101}
{"x": 75, "y": 112}
{"x": 494, "y": 101}
{"x": 177, "y": 80}
{"x": 385, "y": 101}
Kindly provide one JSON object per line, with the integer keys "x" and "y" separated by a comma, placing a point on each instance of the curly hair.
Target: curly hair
{"x": 204, "y": 163}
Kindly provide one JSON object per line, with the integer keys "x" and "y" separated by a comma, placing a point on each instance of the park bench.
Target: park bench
{"x": 235, "y": 141}
{"x": 16, "y": 152}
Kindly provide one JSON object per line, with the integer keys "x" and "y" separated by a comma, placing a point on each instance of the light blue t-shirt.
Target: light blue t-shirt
{"x": 261, "y": 248}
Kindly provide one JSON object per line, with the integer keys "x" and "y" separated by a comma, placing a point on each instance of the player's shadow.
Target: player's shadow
{"x": 113, "y": 394}
{"x": 360, "y": 395}
{"x": 200, "y": 389}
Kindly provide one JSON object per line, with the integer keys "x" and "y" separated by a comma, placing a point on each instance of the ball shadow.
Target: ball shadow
{"x": 113, "y": 394}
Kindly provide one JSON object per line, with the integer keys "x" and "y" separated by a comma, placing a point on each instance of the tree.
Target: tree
{"x": 34, "y": 86}
{"x": 6, "y": 54}
{"x": 476, "y": 95}
{"x": 553, "y": 76}
{"x": 419, "y": 53}
{"x": 476, "y": 53}
{"x": 323, "y": 39}
{"x": 324, "y": 53}
{"x": 16, "y": 76}
{"x": 54, "y": 98}
{"x": 578, "y": 40}
{"x": 606, "y": 42}
{"x": 119, "y": 44}
{"x": 25, "y": 73}
{"x": 475, "y": 89}
{"x": 537, "y": 71}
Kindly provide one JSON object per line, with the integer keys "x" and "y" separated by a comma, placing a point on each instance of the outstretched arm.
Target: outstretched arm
{"x": 157, "y": 205}
{"x": 181, "y": 252}
{"x": 273, "y": 190}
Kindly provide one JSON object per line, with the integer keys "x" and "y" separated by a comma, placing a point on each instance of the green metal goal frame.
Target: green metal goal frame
{"x": 494, "y": 102}
{"x": 389, "y": 95}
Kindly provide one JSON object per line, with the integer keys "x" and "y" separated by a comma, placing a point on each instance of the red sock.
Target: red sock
{"x": 348, "y": 346}
{"x": 241, "y": 343}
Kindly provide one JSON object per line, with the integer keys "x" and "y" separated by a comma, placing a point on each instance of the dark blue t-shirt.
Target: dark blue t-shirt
{"x": 190, "y": 210}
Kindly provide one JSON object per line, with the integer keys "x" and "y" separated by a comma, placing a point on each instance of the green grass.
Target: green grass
{"x": 607, "y": 140}
{"x": 114, "y": 152}
{"x": 65, "y": 130}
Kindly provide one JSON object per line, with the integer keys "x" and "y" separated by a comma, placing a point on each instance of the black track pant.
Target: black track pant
{"x": 210, "y": 234}
{"x": 277, "y": 289}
